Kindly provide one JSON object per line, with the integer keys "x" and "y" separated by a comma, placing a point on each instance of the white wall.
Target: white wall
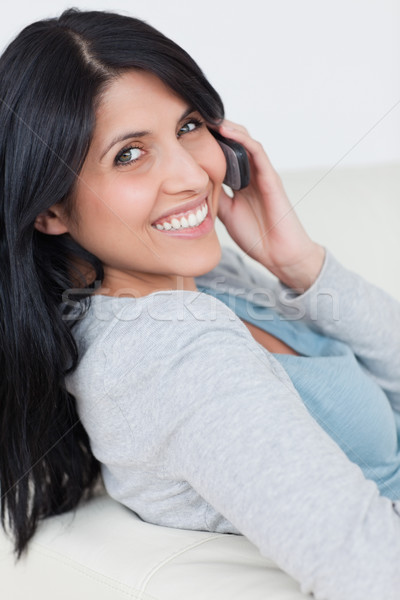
{"x": 316, "y": 81}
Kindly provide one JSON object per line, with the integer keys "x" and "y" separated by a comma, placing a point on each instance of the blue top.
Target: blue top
{"x": 337, "y": 392}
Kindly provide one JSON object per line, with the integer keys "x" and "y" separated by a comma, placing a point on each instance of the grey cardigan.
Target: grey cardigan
{"x": 199, "y": 427}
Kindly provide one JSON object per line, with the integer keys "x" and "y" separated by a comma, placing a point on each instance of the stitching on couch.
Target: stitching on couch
{"x": 146, "y": 579}
{"x": 90, "y": 573}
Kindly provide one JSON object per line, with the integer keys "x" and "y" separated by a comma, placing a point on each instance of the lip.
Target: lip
{"x": 178, "y": 211}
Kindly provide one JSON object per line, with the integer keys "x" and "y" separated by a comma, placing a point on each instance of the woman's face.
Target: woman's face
{"x": 152, "y": 161}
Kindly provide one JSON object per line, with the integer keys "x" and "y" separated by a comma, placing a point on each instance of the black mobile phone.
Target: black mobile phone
{"x": 237, "y": 162}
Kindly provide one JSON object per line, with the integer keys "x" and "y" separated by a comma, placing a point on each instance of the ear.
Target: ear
{"x": 51, "y": 221}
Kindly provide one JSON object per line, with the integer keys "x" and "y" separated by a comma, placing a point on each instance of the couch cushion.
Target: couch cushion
{"x": 105, "y": 552}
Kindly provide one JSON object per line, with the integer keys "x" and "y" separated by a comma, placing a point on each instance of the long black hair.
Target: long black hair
{"x": 51, "y": 78}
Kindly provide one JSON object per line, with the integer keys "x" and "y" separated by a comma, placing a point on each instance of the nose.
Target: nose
{"x": 181, "y": 172}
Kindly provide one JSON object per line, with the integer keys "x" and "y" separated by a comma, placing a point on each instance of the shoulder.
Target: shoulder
{"x": 166, "y": 320}
{"x": 161, "y": 328}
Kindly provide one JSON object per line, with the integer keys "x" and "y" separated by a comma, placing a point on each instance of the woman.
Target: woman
{"x": 115, "y": 351}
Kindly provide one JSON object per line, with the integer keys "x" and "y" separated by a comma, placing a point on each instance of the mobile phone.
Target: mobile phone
{"x": 237, "y": 163}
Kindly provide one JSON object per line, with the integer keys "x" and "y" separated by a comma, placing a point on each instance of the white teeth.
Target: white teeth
{"x": 193, "y": 220}
{"x": 175, "y": 223}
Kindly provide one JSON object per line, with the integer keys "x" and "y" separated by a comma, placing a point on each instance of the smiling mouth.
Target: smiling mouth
{"x": 189, "y": 219}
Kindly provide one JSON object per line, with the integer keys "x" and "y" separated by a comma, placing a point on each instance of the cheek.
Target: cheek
{"x": 116, "y": 201}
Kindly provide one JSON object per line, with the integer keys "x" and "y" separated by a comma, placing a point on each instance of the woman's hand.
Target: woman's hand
{"x": 260, "y": 219}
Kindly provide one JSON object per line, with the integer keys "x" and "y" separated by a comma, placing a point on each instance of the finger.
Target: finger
{"x": 236, "y": 126}
{"x": 254, "y": 148}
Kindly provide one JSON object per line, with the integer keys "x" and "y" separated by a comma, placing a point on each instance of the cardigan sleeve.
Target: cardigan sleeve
{"x": 340, "y": 304}
{"x": 343, "y": 305}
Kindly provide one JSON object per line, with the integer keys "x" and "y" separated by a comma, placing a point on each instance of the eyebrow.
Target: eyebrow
{"x": 140, "y": 133}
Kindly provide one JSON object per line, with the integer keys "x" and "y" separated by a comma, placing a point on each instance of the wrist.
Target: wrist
{"x": 302, "y": 274}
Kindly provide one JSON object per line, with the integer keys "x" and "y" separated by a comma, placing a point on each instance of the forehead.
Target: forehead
{"x": 136, "y": 94}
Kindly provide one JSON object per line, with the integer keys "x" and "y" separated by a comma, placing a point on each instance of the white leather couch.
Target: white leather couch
{"x": 104, "y": 552}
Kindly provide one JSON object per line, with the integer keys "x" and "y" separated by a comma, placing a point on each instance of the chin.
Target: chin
{"x": 204, "y": 261}
{"x": 211, "y": 259}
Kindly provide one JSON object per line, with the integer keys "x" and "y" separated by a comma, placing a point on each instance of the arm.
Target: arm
{"x": 335, "y": 301}
{"x": 264, "y": 465}
{"x": 227, "y": 420}
{"x": 341, "y": 304}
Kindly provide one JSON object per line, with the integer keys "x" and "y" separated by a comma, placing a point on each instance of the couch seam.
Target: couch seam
{"x": 146, "y": 579}
{"x": 130, "y": 592}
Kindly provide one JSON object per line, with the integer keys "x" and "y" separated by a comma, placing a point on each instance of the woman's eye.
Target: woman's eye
{"x": 190, "y": 126}
{"x": 128, "y": 156}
